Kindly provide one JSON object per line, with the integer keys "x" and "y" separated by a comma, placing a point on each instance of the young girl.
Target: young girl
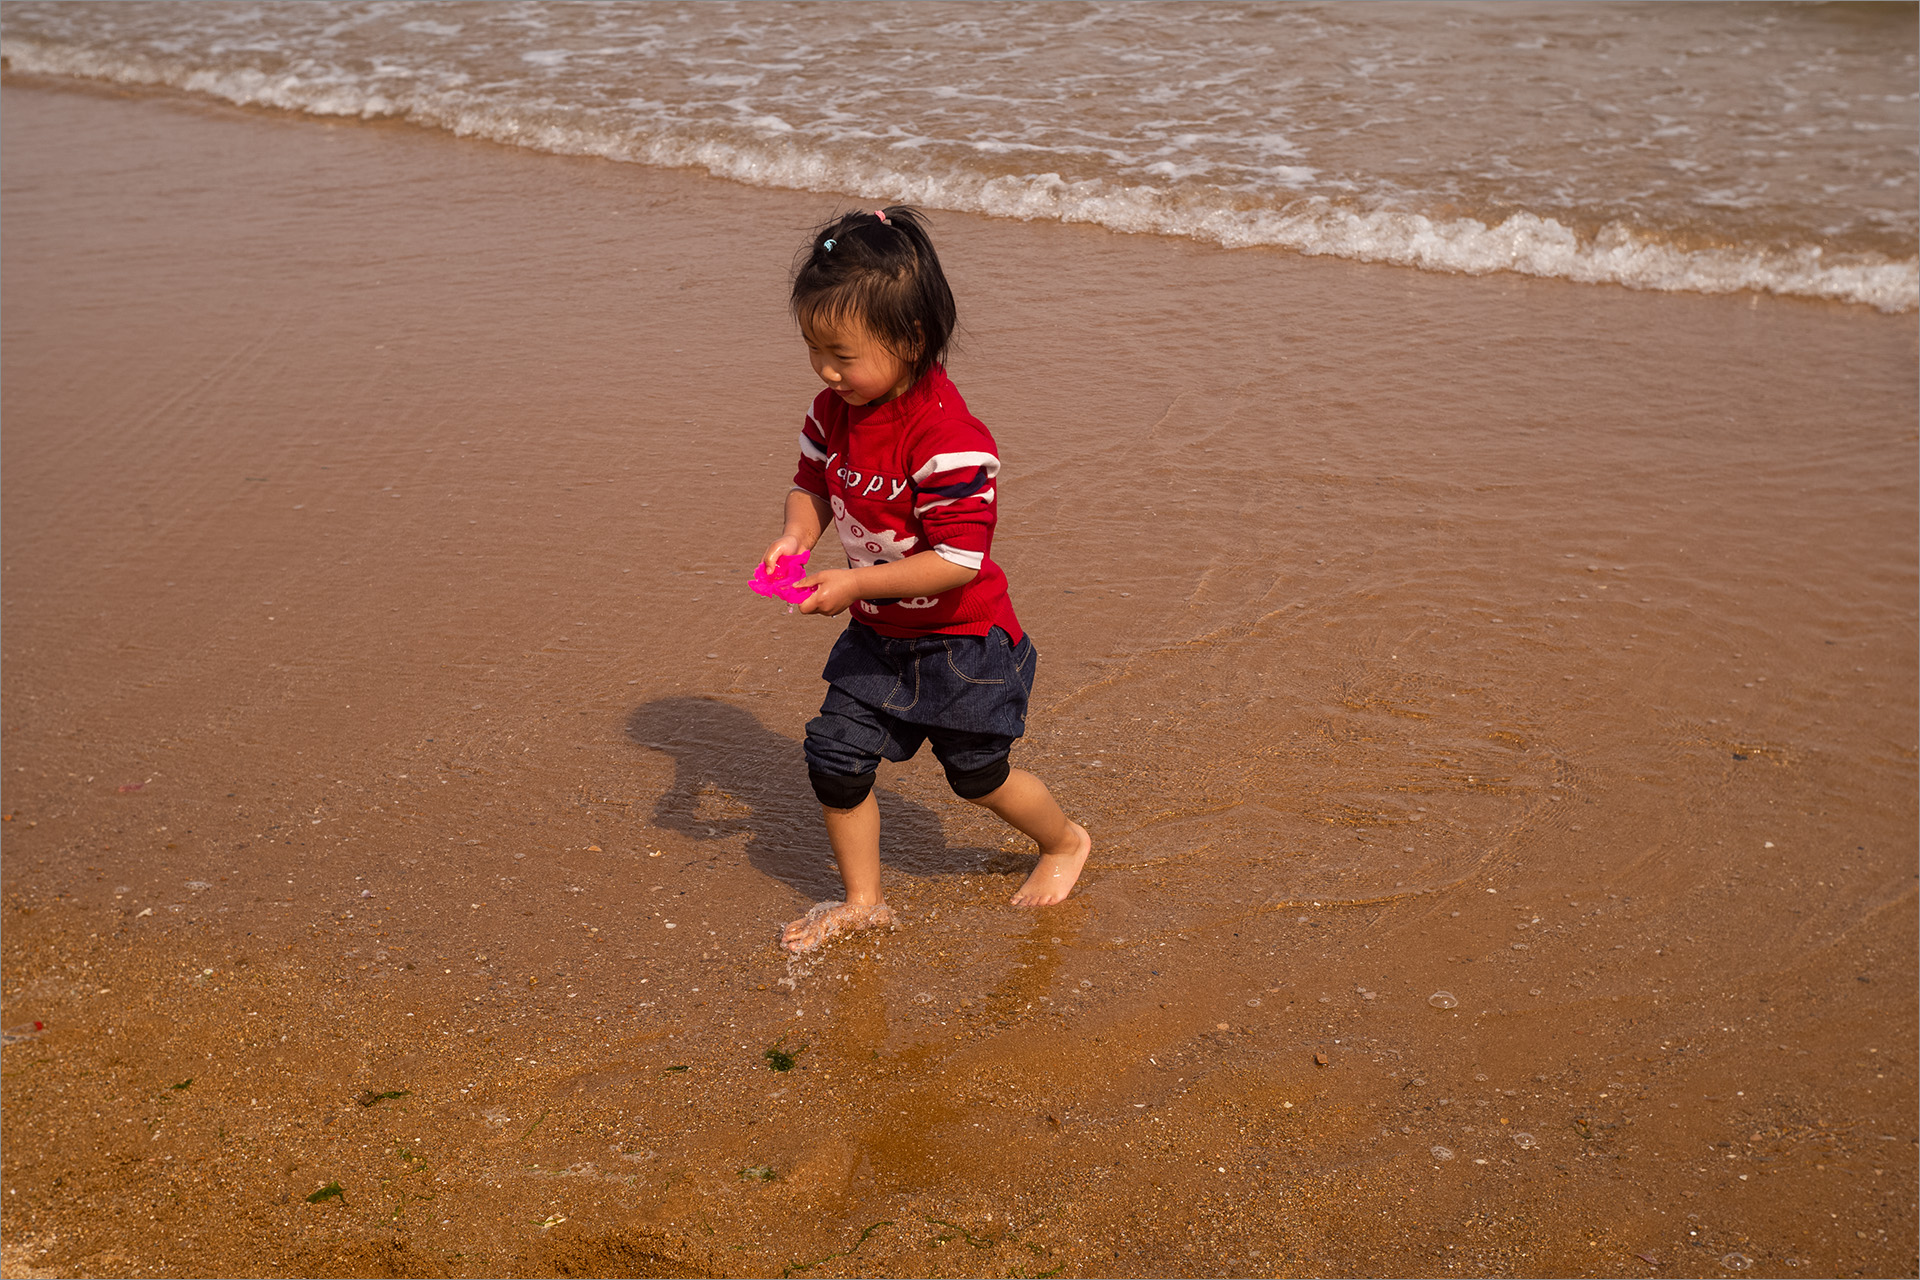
{"x": 891, "y": 457}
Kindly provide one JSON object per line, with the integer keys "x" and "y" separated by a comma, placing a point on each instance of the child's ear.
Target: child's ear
{"x": 909, "y": 354}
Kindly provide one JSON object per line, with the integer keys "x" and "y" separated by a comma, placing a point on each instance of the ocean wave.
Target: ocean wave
{"x": 769, "y": 152}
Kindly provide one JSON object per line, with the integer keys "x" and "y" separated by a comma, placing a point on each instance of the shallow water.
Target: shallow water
{"x": 388, "y": 709}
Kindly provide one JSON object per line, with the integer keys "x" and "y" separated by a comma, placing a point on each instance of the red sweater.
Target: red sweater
{"x": 914, "y": 474}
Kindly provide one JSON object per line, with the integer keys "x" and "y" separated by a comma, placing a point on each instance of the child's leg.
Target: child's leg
{"x": 1024, "y": 803}
{"x": 999, "y": 678}
{"x": 845, "y": 744}
{"x": 855, "y": 836}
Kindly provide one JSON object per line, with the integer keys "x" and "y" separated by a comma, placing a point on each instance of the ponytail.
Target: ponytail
{"x": 878, "y": 268}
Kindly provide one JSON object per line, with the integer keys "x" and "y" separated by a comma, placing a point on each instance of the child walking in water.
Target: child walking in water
{"x": 891, "y": 458}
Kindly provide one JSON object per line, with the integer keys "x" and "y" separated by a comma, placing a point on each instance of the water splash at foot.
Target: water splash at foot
{"x": 826, "y": 919}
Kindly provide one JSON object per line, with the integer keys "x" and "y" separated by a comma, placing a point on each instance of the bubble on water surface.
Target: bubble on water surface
{"x": 923, "y": 998}
{"x": 1443, "y": 1000}
{"x": 1736, "y": 1262}
{"x": 1526, "y": 1140}
{"x": 1442, "y": 1153}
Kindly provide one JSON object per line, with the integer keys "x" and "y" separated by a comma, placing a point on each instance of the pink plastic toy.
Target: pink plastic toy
{"x": 780, "y": 583}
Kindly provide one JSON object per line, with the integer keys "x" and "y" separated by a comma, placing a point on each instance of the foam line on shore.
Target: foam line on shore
{"x": 767, "y": 152}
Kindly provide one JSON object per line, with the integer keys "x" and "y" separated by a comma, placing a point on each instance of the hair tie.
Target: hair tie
{"x": 882, "y": 215}
{"x": 827, "y": 247}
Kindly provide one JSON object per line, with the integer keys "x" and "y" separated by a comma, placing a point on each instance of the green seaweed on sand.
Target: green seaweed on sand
{"x": 368, "y": 1098}
{"x": 331, "y": 1191}
{"x": 682, "y": 1067}
{"x": 536, "y": 1124}
{"x": 794, "y": 1268}
{"x": 763, "y": 1172}
{"x": 956, "y": 1231}
{"x": 782, "y": 1059}
{"x": 184, "y": 1084}
{"x": 400, "y": 1205}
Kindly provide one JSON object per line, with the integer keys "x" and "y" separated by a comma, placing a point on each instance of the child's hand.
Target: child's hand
{"x": 785, "y": 545}
{"x": 834, "y": 591}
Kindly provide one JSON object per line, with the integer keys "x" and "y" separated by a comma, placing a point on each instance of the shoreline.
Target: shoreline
{"x": 389, "y": 716}
{"x": 1555, "y": 251}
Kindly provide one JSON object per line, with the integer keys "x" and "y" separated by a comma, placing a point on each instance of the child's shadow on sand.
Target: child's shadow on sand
{"x": 733, "y": 775}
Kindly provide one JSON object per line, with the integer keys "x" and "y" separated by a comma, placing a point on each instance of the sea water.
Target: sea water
{"x": 1702, "y": 147}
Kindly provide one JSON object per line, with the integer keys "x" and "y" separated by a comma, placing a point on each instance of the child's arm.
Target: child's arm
{"x": 807, "y": 517}
{"x": 926, "y": 574}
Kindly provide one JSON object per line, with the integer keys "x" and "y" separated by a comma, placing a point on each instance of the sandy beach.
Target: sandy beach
{"x": 1492, "y": 699}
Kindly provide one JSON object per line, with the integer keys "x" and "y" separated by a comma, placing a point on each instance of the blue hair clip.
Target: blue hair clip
{"x": 828, "y": 246}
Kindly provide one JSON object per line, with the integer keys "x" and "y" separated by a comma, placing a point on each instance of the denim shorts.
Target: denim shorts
{"x": 967, "y": 695}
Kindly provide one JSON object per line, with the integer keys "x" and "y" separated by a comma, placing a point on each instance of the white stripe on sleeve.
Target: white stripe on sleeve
{"x": 954, "y": 461}
{"x": 965, "y": 559}
{"x": 809, "y": 450}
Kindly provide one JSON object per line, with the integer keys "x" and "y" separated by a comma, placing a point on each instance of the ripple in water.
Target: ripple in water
{"x": 1443, "y": 1000}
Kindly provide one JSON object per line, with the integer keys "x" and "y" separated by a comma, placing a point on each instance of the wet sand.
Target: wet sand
{"x": 403, "y": 788}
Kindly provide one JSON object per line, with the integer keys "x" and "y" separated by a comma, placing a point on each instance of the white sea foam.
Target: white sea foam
{"x": 1230, "y": 184}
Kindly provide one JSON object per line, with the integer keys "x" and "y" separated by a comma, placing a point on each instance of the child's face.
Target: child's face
{"x": 853, "y": 363}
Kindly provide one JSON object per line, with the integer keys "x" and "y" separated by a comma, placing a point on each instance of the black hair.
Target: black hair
{"x": 878, "y": 268}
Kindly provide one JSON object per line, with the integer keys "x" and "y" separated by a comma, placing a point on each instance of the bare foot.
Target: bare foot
{"x": 1057, "y": 873}
{"x": 825, "y": 919}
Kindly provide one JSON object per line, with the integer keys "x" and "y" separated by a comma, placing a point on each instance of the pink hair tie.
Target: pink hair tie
{"x": 882, "y": 215}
